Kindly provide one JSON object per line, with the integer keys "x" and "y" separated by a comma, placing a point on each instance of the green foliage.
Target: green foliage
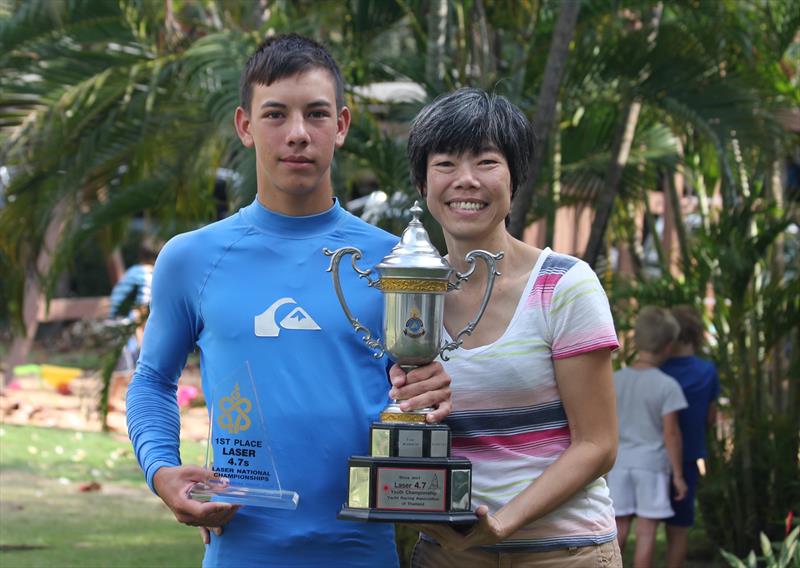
{"x": 753, "y": 460}
{"x": 785, "y": 554}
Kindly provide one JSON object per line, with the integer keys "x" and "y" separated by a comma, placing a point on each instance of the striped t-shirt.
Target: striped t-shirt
{"x": 508, "y": 419}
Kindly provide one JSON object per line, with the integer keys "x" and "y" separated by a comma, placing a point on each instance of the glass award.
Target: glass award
{"x": 238, "y": 451}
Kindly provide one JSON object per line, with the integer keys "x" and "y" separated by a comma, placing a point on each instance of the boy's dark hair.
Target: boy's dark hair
{"x": 148, "y": 252}
{"x": 285, "y": 55}
{"x": 691, "y": 325}
{"x": 470, "y": 120}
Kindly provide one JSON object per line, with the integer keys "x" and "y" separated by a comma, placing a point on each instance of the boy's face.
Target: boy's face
{"x": 295, "y": 128}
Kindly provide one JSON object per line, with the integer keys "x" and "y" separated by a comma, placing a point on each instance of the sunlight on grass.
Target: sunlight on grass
{"x": 78, "y": 456}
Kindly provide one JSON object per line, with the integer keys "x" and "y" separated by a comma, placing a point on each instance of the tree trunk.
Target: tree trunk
{"x": 33, "y": 294}
{"x": 555, "y": 184}
{"x": 620, "y": 151}
{"x": 482, "y": 60}
{"x": 656, "y": 239}
{"x": 545, "y": 110}
{"x": 521, "y": 53}
{"x": 605, "y": 200}
{"x": 777, "y": 264}
{"x": 115, "y": 265}
{"x": 674, "y": 197}
{"x": 437, "y": 38}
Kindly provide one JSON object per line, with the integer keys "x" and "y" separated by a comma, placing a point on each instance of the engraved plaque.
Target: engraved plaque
{"x": 439, "y": 443}
{"x": 359, "y": 488}
{"x": 409, "y": 443}
{"x": 411, "y": 489}
{"x": 460, "y": 490}
{"x": 380, "y": 442}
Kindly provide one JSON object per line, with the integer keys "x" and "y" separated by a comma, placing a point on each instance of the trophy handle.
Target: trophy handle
{"x": 491, "y": 266}
{"x": 336, "y": 258}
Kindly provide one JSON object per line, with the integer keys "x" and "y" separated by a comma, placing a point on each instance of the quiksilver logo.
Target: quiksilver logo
{"x": 298, "y": 318}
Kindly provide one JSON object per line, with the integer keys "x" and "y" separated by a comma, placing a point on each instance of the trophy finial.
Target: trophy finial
{"x": 416, "y": 211}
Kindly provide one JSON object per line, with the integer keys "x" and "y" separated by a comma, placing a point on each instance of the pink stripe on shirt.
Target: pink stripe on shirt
{"x": 542, "y": 291}
{"x": 541, "y": 443}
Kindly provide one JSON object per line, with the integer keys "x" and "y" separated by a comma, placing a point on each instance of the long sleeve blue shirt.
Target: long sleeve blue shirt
{"x": 318, "y": 385}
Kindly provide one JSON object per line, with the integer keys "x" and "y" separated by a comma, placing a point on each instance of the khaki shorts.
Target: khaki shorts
{"x": 430, "y": 555}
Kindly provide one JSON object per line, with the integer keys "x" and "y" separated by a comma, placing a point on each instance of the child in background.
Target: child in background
{"x": 648, "y": 402}
{"x": 700, "y": 383}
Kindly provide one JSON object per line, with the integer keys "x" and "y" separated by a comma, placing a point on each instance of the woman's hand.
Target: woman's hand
{"x": 487, "y": 531}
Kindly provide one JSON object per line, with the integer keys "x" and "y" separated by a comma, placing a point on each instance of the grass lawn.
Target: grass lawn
{"x": 46, "y": 520}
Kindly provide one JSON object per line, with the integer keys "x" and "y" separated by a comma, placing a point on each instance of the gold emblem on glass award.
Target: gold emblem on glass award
{"x": 410, "y": 475}
{"x": 233, "y": 412}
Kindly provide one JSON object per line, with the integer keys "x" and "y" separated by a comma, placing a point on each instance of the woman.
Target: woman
{"x": 533, "y": 394}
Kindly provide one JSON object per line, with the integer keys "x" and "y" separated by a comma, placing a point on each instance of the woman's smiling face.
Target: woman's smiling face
{"x": 469, "y": 194}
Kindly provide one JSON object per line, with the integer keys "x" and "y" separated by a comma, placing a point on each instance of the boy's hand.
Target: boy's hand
{"x": 680, "y": 488}
{"x": 426, "y": 386}
{"x": 173, "y": 484}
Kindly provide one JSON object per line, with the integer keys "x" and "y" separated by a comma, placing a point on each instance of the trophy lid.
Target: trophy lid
{"x": 415, "y": 256}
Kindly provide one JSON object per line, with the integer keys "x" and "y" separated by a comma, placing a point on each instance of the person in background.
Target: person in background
{"x": 130, "y": 298}
{"x": 533, "y": 394}
{"x": 648, "y": 402}
{"x": 129, "y": 302}
{"x": 700, "y": 383}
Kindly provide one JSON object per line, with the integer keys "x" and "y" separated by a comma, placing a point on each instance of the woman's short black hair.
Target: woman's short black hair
{"x": 471, "y": 120}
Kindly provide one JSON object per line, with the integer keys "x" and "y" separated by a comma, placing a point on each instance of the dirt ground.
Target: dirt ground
{"x": 32, "y": 401}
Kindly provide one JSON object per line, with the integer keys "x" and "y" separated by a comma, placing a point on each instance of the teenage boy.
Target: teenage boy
{"x": 700, "y": 383}
{"x": 253, "y": 287}
{"x": 648, "y": 402}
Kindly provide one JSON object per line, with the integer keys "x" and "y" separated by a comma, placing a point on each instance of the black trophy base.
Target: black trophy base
{"x": 409, "y": 490}
{"x": 379, "y": 516}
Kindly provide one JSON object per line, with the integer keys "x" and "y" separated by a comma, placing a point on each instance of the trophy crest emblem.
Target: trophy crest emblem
{"x": 415, "y": 327}
{"x": 237, "y": 405}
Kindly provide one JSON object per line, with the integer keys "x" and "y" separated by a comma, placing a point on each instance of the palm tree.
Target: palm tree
{"x": 106, "y": 114}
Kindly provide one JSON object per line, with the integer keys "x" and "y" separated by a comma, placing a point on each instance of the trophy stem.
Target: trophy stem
{"x": 393, "y": 412}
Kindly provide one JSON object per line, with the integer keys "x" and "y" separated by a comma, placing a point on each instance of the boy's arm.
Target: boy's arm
{"x": 152, "y": 409}
{"x": 674, "y": 445}
{"x": 711, "y": 417}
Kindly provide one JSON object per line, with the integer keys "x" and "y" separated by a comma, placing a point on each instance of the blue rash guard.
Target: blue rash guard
{"x": 319, "y": 386}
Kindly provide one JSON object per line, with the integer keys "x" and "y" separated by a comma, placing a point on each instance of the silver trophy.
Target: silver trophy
{"x": 410, "y": 475}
